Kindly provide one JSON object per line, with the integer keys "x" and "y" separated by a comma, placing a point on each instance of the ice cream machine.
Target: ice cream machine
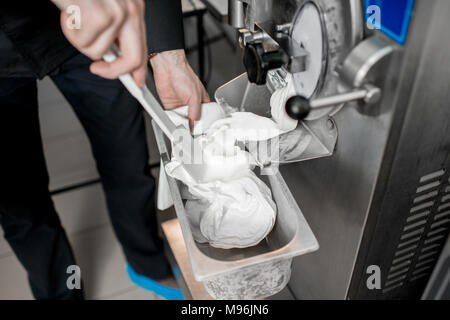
{"x": 372, "y": 90}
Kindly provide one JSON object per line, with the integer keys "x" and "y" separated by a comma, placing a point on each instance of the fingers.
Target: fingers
{"x": 105, "y": 22}
{"x": 87, "y": 34}
{"x": 99, "y": 24}
{"x": 131, "y": 42}
{"x": 177, "y": 84}
{"x": 205, "y": 96}
{"x": 140, "y": 75}
{"x": 194, "y": 110}
{"x": 103, "y": 43}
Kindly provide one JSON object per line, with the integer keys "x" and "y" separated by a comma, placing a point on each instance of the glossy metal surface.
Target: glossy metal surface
{"x": 341, "y": 31}
{"x": 357, "y": 200}
{"x": 363, "y": 58}
{"x": 417, "y": 148}
{"x": 236, "y": 14}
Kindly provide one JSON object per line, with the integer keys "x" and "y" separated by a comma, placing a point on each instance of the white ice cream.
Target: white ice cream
{"x": 278, "y": 103}
{"x": 231, "y": 206}
{"x": 235, "y": 214}
{"x": 211, "y": 112}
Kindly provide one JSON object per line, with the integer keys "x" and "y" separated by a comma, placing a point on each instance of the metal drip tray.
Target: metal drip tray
{"x": 249, "y": 273}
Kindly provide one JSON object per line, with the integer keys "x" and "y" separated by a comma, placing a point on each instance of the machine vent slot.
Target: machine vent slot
{"x": 425, "y": 196}
{"x": 432, "y": 176}
{"x": 424, "y": 233}
{"x": 406, "y": 243}
{"x": 423, "y": 275}
{"x": 387, "y": 289}
{"x": 440, "y": 223}
{"x": 443, "y": 207}
{"x": 403, "y": 258}
{"x": 418, "y": 216}
{"x": 414, "y": 225}
{"x": 401, "y": 265}
{"x": 442, "y": 215}
{"x": 431, "y": 247}
{"x": 412, "y": 234}
{"x": 422, "y": 206}
{"x": 398, "y": 273}
{"x": 437, "y": 231}
{"x": 403, "y": 251}
{"x": 428, "y": 186}
{"x": 427, "y": 255}
{"x": 421, "y": 270}
{"x": 420, "y": 264}
{"x": 389, "y": 283}
{"x": 434, "y": 239}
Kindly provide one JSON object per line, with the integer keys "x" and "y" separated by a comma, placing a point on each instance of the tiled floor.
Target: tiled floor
{"x": 83, "y": 211}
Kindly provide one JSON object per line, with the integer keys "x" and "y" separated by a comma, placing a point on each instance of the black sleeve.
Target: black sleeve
{"x": 164, "y": 25}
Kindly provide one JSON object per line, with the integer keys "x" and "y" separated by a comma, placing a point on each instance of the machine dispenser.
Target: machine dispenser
{"x": 372, "y": 183}
{"x": 371, "y": 80}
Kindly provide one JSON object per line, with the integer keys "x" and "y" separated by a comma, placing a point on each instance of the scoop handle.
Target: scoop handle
{"x": 182, "y": 140}
{"x": 145, "y": 97}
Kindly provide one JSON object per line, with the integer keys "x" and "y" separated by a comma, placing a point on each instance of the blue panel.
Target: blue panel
{"x": 395, "y": 17}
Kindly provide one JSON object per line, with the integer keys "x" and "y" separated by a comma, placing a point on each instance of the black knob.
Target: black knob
{"x": 298, "y": 107}
{"x": 258, "y": 62}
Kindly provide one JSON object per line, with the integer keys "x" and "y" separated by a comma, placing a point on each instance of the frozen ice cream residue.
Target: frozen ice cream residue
{"x": 229, "y": 207}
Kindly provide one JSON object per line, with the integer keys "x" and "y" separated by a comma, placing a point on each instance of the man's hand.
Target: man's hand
{"x": 177, "y": 84}
{"x": 108, "y": 22}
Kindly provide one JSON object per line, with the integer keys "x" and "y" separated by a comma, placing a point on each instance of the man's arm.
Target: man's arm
{"x": 176, "y": 82}
{"x": 164, "y": 22}
{"x": 105, "y": 22}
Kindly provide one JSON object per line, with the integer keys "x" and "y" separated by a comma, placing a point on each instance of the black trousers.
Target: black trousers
{"x": 114, "y": 123}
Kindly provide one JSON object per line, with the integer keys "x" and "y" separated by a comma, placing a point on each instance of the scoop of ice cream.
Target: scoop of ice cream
{"x": 231, "y": 206}
{"x": 236, "y": 214}
{"x": 277, "y": 106}
{"x": 220, "y": 160}
{"x": 246, "y": 126}
{"x": 210, "y": 112}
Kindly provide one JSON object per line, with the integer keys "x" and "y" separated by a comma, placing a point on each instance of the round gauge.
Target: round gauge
{"x": 327, "y": 30}
{"x": 307, "y": 32}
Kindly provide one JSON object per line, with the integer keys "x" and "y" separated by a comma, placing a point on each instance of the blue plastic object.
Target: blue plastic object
{"x": 151, "y": 285}
{"x": 395, "y": 17}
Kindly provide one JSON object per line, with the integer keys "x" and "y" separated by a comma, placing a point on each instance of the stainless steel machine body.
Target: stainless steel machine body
{"x": 382, "y": 197}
